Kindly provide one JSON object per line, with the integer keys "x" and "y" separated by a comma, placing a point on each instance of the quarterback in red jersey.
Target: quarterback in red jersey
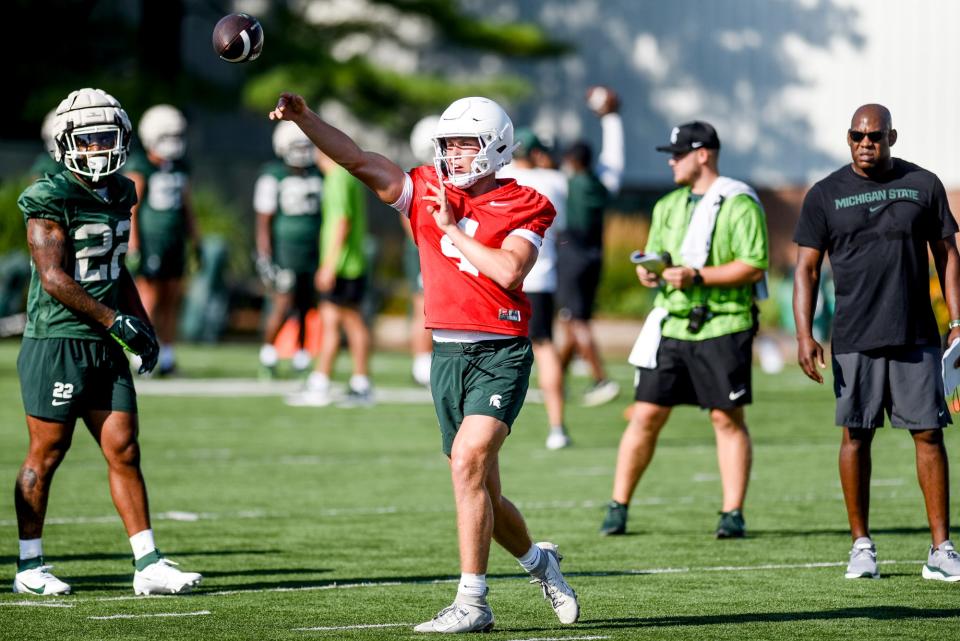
{"x": 478, "y": 238}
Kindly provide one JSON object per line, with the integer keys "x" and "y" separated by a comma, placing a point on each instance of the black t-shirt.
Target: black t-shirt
{"x": 876, "y": 234}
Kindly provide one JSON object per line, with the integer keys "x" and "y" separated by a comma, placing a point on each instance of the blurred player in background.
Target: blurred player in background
{"x": 876, "y": 218}
{"x": 421, "y": 341}
{"x": 540, "y": 285}
{"x": 45, "y": 162}
{"x": 580, "y": 249}
{"x": 342, "y": 284}
{"x": 162, "y": 223}
{"x": 478, "y": 238}
{"x": 287, "y": 200}
{"x": 82, "y": 311}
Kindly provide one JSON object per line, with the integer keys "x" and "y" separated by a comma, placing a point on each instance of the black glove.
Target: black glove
{"x": 136, "y": 337}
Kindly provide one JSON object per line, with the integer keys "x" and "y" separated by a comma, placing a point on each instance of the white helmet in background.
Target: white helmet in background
{"x": 421, "y": 139}
{"x": 91, "y": 118}
{"x": 162, "y": 130}
{"x": 479, "y": 118}
{"x": 292, "y": 145}
{"x": 46, "y": 133}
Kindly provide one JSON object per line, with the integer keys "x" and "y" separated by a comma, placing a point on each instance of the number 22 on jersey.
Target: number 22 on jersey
{"x": 469, "y": 227}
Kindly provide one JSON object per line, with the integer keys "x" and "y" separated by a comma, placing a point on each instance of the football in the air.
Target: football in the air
{"x": 238, "y": 37}
{"x": 602, "y": 100}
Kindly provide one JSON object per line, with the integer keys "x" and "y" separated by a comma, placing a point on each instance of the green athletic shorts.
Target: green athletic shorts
{"x": 489, "y": 378}
{"x": 63, "y": 378}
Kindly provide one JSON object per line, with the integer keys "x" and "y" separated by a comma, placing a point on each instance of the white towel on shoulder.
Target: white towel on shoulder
{"x": 696, "y": 244}
{"x": 645, "y": 348}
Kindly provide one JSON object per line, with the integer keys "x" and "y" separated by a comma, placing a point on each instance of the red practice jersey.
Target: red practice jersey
{"x": 456, "y": 295}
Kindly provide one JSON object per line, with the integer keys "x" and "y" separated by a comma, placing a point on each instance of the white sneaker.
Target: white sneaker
{"x": 460, "y": 616}
{"x": 863, "y": 560}
{"x": 600, "y": 393}
{"x": 309, "y": 398}
{"x": 555, "y": 587}
{"x": 162, "y": 577}
{"x": 557, "y": 440}
{"x": 39, "y": 581}
{"x": 943, "y": 563}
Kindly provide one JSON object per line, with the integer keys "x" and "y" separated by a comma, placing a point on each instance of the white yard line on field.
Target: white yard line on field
{"x": 37, "y": 604}
{"x": 198, "y": 613}
{"x": 362, "y": 626}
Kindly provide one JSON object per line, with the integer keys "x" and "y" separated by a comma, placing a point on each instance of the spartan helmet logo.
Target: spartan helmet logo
{"x": 674, "y": 134}
{"x": 495, "y": 400}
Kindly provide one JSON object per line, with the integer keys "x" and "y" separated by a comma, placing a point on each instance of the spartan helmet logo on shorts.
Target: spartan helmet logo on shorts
{"x": 495, "y": 400}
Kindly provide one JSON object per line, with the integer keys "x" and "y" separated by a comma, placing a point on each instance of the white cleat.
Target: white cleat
{"x": 557, "y": 441}
{"x": 460, "y": 616}
{"x": 555, "y": 588}
{"x": 39, "y": 581}
{"x": 163, "y": 577}
{"x": 309, "y": 398}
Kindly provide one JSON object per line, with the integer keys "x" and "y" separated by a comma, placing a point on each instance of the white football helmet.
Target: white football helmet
{"x": 91, "y": 117}
{"x": 162, "y": 130}
{"x": 292, "y": 145}
{"x": 46, "y": 132}
{"x": 479, "y": 118}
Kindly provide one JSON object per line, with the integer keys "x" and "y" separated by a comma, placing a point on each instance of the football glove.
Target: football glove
{"x": 266, "y": 270}
{"x": 136, "y": 337}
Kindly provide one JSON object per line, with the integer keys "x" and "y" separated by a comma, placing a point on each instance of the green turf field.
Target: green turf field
{"x": 339, "y": 524}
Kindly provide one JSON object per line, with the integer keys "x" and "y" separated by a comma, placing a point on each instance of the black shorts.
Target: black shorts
{"x": 712, "y": 373}
{"x": 904, "y": 382}
{"x": 346, "y": 292}
{"x": 578, "y": 276}
{"x": 541, "y": 316}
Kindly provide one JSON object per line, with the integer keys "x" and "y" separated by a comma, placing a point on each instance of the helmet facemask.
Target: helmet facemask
{"x": 299, "y": 154}
{"x": 479, "y": 119}
{"x": 107, "y": 156}
{"x": 169, "y": 148}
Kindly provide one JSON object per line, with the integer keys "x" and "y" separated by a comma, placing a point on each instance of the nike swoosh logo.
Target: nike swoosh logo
{"x": 876, "y": 208}
{"x": 34, "y": 590}
{"x": 130, "y": 325}
{"x": 494, "y": 203}
{"x": 56, "y": 402}
{"x": 735, "y": 395}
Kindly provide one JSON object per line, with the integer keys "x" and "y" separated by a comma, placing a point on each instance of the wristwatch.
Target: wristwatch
{"x": 955, "y": 323}
{"x": 698, "y": 280}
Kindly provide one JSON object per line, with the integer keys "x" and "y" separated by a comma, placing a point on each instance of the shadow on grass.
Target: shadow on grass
{"x": 763, "y": 533}
{"x": 114, "y": 556}
{"x": 879, "y": 613}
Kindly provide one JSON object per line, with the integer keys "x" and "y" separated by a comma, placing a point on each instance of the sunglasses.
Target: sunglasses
{"x": 874, "y": 136}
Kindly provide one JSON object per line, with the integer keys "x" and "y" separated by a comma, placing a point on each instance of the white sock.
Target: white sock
{"x": 142, "y": 544}
{"x": 359, "y": 383}
{"x": 531, "y": 559}
{"x": 30, "y": 548}
{"x": 318, "y": 382}
{"x": 166, "y": 356}
{"x": 268, "y": 355}
{"x": 472, "y": 585}
{"x": 557, "y": 429}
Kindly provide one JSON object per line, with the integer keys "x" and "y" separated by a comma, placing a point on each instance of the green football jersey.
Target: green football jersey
{"x": 160, "y": 218}
{"x": 97, "y": 229}
{"x": 293, "y": 200}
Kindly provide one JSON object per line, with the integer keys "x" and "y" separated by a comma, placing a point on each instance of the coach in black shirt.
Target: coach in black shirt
{"x": 875, "y": 218}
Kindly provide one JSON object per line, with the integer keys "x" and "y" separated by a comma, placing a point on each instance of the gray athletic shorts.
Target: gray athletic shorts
{"x": 903, "y": 381}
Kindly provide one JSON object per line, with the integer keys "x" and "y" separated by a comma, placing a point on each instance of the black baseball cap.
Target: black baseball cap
{"x": 690, "y": 136}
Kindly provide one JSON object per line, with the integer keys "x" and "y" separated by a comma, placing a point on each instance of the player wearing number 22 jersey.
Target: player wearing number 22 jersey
{"x": 456, "y": 295}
